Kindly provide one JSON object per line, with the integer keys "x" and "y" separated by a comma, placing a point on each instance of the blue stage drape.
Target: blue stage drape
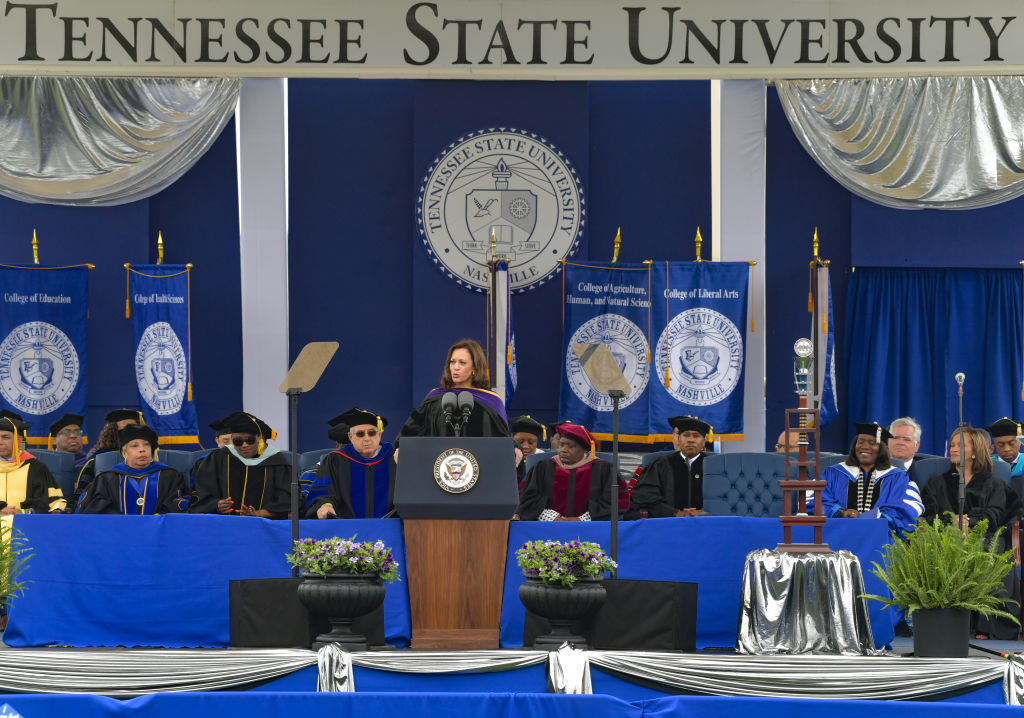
{"x": 910, "y": 330}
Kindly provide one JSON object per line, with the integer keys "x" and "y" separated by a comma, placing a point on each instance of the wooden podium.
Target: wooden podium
{"x": 455, "y": 522}
{"x": 456, "y": 573}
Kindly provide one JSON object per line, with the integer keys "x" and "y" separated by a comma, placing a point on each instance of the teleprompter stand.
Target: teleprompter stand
{"x": 305, "y": 372}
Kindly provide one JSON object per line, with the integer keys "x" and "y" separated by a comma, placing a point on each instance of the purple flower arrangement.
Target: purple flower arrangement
{"x": 557, "y": 562}
{"x": 345, "y": 556}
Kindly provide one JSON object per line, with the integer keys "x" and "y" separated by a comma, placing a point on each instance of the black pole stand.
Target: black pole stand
{"x": 615, "y": 394}
{"x": 961, "y": 484}
{"x": 294, "y": 439}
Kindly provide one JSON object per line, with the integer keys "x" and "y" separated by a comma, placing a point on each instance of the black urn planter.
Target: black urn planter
{"x": 341, "y": 597}
{"x": 941, "y": 632}
{"x": 562, "y": 606}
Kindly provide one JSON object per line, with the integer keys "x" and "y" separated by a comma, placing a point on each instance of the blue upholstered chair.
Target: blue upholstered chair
{"x": 648, "y": 458}
{"x": 923, "y": 469}
{"x": 309, "y": 459}
{"x": 180, "y": 461}
{"x": 106, "y": 461}
{"x": 62, "y": 465}
{"x": 743, "y": 484}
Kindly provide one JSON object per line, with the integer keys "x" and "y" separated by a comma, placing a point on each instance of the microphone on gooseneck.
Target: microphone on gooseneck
{"x": 449, "y": 403}
{"x": 466, "y": 404}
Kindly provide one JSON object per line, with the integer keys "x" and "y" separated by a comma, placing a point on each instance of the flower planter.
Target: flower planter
{"x": 941, "y": 632}
{"x": 562, "y": 606}
{"x": 342, "y": 597}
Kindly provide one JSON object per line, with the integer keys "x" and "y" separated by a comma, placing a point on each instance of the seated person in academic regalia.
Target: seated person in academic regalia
{"x": 529, "y": 433}
{"x": 465, "y": 371}
{"x": 359, "y": 478}
{"x": 107, "y": 441}
{"x": 247, "y": 478}
{"x": 66, "y": 435}
{"x": 1006, "y": 435}
{"x": 26, "y": 485}
{"x": 138, "y": 485}
{"x": 221, "y": 438}
{"x": 309, "y": 489}
{"x": 867, "y": 485}
{"x": 673, "y": 485}
{"x": 570, "y": 486}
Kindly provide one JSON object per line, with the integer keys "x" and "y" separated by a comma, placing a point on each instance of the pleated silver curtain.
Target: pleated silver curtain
{"x": 105, "y": 141}
{"x": 914, "y": 143}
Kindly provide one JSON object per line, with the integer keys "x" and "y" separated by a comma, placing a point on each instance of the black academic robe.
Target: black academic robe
{"x": 570, "y": 492}
{"x": 986, "y": 496}
{"x": 84, "y": 477}
{"x": 349, "y": 489}
{"x": 428, "y": 420}
{"x": 669, "y": 484}
{"x": 30, "y": 486}
{"x": 267, "y": 485}
{"x": 108, "y": 494}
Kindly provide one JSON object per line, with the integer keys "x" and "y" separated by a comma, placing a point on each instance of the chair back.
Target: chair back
{"x": 309, "y": 459}
{"x": 538, "y": 456}
{"x": 648, "y": 458}
{"x": 62, "y": 465}
{"x": 743, "y": 484}
{"x": 180, "y": 461}
{"x": 923, "y": 469}
{"x": 1002, "y": 470}
{"x": 106, "y": 461}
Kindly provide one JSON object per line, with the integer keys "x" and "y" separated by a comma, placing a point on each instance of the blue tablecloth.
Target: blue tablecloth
{"x": 708, "y": 550}
{"x": 163, "y": 580}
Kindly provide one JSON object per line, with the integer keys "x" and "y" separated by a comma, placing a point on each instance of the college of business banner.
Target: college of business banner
{"x": 607, "y": 304}
{"x": 43, "y": 327}
{"x": 699, "y": 316}
{"x": 158, "y": 303}
{"x": 682, "y": 353}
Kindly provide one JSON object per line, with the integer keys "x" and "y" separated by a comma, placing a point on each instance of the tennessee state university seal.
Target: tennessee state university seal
{"x": 161, "y": 369}
{"x": 508, "y": 182}
{"x": 629, "y": 347}
{"x": 703, "y": 351}
{"x": 39, "y": 368}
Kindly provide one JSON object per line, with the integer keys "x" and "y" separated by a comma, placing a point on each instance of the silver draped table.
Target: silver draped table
{"x": 803, "y": 603}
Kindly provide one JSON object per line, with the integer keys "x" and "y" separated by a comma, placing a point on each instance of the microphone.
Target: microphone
{"x": 960, "y": 378}
{"x": 466, "y": 404}
{"x": 449, "y": 402}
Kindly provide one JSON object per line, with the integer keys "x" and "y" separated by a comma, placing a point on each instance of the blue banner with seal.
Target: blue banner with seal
{"x": 44, "y": 314}
{"x": 158, "y": 303}
{"x": 607, "y": 304}
{"x": 699, "y": 318}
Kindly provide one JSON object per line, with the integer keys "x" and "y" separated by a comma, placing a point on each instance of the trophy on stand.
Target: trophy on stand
{"x": 796, "y": 456}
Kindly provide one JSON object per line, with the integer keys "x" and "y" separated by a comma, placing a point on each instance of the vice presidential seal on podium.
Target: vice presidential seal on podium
{"x": 455, "y": 496}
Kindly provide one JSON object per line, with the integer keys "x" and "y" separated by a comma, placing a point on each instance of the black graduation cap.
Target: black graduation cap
{"x": 338, "y": 433}
{"x": 879, "y": 432}
{"x": 357, "y": 417}
{"x": 528, "y": 425}
{"x": 9, "y": 421}
{"x": 691, "y": 423}
{"x": 66, "y": 420}
{"x": 220, "y": 427}
{"x": 242, "y": 423}
{"x": 137, "y": 431}
{"x": 121, "y": 414}
{"x": 553, "y": 428}
{"x": 1004, "y": 427}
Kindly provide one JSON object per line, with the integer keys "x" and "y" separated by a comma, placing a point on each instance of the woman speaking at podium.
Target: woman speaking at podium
{"x": 465, "y": 372}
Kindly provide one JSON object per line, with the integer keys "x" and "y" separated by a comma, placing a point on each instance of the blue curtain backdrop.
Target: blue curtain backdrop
{"x": 909, "y": 331}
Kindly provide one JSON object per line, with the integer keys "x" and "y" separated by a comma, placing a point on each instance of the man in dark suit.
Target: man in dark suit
{"x": 673, "y": 484}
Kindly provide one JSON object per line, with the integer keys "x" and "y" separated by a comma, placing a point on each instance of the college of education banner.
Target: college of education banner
{"x": 43, "y": 327}
{"x": 158, "y": 303}
{"x": 682, "y": 353}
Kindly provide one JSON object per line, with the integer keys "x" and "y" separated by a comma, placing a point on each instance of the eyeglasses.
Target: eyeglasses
{"x": 69, "y": 432}
{"x": 366, "y": 432}
{"x": 242, "y": 441}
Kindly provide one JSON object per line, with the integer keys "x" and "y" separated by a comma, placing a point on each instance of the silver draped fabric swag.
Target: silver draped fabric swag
{"x": 914, "y": 143}
{"x": 105, "y": 141}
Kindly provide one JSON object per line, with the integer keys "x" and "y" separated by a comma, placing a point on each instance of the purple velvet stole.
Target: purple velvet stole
{"x": 488, "y": 398}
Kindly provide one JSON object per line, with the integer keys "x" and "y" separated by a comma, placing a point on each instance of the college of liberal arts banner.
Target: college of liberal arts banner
{"x": 158, "y": 303}
{"x": 681, "y": 353}
{"x": 43, "y": 323}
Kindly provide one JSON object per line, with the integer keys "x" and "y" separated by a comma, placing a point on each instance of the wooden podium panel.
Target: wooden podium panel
{"x": 456, "y": 571}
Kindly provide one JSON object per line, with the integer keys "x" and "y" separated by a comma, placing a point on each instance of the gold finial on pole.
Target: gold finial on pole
{"x": 35, "y": 247}
{"x": 618, "y": 243}
{"x": 698, "y": 240}
{"x": 815, "y": 242}
{"x": 494, "y": 247}
{"x": 159, "y": 247}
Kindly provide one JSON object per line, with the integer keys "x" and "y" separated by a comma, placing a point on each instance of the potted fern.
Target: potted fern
{"x": 941, "y": 574}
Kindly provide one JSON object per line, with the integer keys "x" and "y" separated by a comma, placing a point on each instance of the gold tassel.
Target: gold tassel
{"x": 190, "y": 391}
{"x": 711, "y": 434}
{"x": 127, "y": 310}
{"x": 508, "y": 355}
{"x": 127, "y": 291}
{"x": 666, "y": 378}
{"x": 380, "y": 425}
{"x": 49, "y": 442}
